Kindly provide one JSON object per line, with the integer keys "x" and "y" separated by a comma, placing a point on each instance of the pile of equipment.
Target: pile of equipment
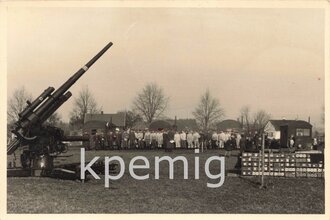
{"x": 283, "y": 164}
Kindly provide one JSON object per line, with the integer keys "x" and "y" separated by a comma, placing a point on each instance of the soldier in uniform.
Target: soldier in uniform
{"x": 170, "y": 141}
{"x": 214, "y": 140}
{"x": 177, "y": 140}
{"x": 242, "y": 147}
{"x": 102, "y": 141}
{"x": 183, "y": 138}
{"x": 132, "y": 139}
{"x": 109, "y": 139}
{"x": 229, "y": 144}
{"x": 97, "y": 142}
{"x": 196, "y": 137}
{"x": 203, "y": 140}
{"x": 139, "y": 137}
{"x": 160, "y": 139}
{"x": 86, "y": 144}
{"x": 190, "y": 139}
{"x": 165, "y": 139}
{"x": 153, "y": 137}
{"x": 117, "y": 138}
{"x": 147, "y": 139}
{"x": 125, "y": 139}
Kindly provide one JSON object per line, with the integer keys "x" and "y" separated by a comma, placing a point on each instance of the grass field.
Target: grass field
{"x": 127, "y": 195}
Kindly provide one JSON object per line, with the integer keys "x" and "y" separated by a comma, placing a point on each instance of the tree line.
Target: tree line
{"x": 149, "y": 104}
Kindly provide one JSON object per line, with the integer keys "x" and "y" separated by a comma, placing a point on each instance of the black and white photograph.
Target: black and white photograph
{"x": 183, "y": 108}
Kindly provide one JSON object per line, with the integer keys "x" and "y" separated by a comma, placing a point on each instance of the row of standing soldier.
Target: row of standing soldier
{"x": 170, "y": 139}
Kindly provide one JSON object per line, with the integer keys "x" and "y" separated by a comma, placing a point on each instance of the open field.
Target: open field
{"x": 127, "y": 195}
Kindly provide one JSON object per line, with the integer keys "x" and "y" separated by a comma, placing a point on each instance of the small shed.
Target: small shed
{"x": 283, "y": 129}
{"x": 229, "y": 125}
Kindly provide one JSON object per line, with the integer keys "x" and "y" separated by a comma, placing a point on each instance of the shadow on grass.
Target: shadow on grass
{"x": 252, "y": 181}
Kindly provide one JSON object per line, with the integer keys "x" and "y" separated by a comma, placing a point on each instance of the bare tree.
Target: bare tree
{"x": 245, "y": 115}
{"x": 208, "y": 111}
{"x": 257, "y": 122}
{"x": 151, "y": 102}
{"x": 131, "y": 118}
{"x": 83, "y": 104}
{"x": 260, "y": 120}
{"x": 17, "y": 103}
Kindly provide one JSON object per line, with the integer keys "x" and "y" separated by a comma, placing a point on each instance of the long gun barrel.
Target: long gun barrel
{"x": 37, "y": 115}
{"x": 36, "y": 102}
{"x": 55, "y": 106}
{"x": 47, "y": 103}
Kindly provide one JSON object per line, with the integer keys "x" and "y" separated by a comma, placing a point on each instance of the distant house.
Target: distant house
{"x": 283, "y": 129}
{"x": 185, "y": 124}
{"x": 229, "y": 125}
{"x": 97, "y": 123}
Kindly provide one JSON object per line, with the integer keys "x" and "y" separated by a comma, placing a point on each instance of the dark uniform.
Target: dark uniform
{"x": 229, "y": 146}
{"x": 132, "y": 139}
{"x": 170, "y": 141}
{"x": 242, "y": 148}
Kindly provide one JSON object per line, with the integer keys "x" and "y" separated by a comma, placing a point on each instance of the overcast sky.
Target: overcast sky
{"x": 271, "y": 59}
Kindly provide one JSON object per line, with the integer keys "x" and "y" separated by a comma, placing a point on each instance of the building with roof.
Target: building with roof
{"x": 98, "y": 123}
{"x": 185, "y": 124}
{"x": 283, "y": 129}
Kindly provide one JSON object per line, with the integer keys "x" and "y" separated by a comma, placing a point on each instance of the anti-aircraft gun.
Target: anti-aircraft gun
{"x": 41, "y": 142}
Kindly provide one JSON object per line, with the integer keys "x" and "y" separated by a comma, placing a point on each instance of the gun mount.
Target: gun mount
{"x": 38, "y": 139}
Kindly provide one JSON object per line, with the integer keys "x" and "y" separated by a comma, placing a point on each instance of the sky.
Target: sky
{"x": 271, "y": 59}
